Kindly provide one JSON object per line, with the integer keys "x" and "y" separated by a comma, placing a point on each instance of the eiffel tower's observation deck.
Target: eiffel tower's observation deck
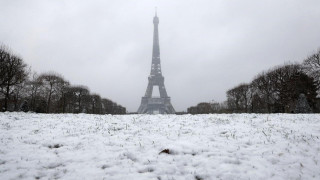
{"x": 150, "y": 104}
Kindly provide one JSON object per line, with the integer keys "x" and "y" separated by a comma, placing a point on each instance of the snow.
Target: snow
{"x": 226, "y": 146}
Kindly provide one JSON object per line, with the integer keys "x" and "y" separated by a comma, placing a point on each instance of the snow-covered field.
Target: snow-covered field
{"x": 235, "y": 146}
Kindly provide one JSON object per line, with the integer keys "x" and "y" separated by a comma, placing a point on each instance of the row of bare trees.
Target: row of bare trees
{"x": 280, "y": 89}
{"x": 274, "y": 91}
{"x": 47, "y": 92}
{"x": 291, "y": 88}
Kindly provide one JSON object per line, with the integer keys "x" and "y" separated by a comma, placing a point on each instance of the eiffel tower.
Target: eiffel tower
{"x": 150, "y": 104}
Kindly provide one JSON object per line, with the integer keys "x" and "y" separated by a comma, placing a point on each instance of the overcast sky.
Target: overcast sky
{"x": 206, "y": 46}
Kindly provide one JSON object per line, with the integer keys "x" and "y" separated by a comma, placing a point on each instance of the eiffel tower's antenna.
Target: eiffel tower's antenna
{"x": 156, "y": 10}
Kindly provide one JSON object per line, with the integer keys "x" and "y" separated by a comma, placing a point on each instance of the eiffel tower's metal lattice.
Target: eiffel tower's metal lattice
{"x": 162, "y": 104}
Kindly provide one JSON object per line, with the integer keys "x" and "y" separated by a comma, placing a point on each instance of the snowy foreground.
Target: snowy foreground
{"x": 236, "y": 146}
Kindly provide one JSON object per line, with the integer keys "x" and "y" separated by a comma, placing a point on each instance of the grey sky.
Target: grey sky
{"x": 206, "y": 46}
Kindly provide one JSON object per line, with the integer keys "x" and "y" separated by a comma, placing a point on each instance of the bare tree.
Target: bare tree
{"x": 70, "y": 99}
{"x": 32, "y": 90}
{"x": 264, "y": 88}
{"x": 192, "y": 110}
{"x": 96, "y": 104}
{"x": 12, "y": 73}
{"x": 204, "y": 108}
{"x": 245, "y": 94}
{"x": 18, "y": 95}
{"x": 281, "y": 85}
{"x": 52, "y": 84}
{"x": 311, "y": 67}
{"x": 107, "y": 106}
{"x": 110, "y": 107}
{"x": 63, "y": 94}
{"x": 233, "y": 98}
{"x": 239, "y": 98}
{"x": 80, "y": 92}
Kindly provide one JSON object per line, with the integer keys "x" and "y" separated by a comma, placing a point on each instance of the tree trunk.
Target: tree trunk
{"x": 64, "y": 103}
{"x": 79, "y": 104}
{"x": 48, "y": 106}
{"x": 93, "y": 108}
{"x": 49, "y": 99}
{"x": 6, "y": 99}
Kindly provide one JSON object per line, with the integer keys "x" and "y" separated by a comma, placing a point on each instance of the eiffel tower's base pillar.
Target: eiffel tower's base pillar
{"x": 156, "y": 106}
